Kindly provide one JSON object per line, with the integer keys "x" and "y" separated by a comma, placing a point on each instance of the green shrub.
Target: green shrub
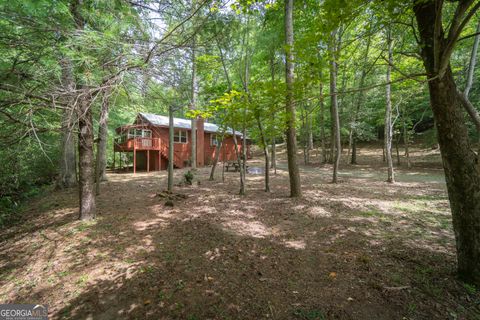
{"x": 188, "y": 177}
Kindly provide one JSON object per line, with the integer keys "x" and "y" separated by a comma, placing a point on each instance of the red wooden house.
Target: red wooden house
{"x": 147, "y": 139}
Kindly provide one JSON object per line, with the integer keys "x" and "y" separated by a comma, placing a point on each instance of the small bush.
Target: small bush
{"x": 188, "y": 177}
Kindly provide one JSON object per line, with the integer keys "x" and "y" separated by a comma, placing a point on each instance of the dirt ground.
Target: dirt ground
{"x": 360, "y": 249}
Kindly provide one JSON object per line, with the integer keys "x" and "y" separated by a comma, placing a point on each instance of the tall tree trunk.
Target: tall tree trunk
{"x": 388, "y": 111}
{"x": 265, "y": 153}
{"x": 219, "y": 146}
{"x": 406, "y": 140}
{"x": 294, "y": 174}
{"x": 334, "y": 106}
{"x": 68, "y": 169}
{"x": 397, "y": 142}
{"x": 359, "y": 102}
{"x": 309, "y": 134}
{"x": 85, "y": 153}
{"x": 322, "y": 120}
{"x": 193, "y": 106}
{"x": 274, "y": 151}
{"x": 472, "y": 63}
{"x": 101, "y": 161}
{"x": 85, "y": 135}
{"x": 171, "y": 154}
{"x": 274, "y": 155}
{"x": 218, "y": 149}
{"x": 459, "y": 161}
{"x": 239, "y": 161}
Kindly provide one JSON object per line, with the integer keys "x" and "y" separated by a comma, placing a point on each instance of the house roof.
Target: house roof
{"x": 162, "y": 121}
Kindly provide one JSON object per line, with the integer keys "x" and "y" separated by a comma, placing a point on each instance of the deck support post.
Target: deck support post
{"x": 148, "y": 160}
{"x": 159, "y": 160}
{"x": 113, "y": 167}
{"x": 134, "y": 158}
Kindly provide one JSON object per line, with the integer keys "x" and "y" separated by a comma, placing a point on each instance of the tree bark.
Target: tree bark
{"x": 293, "y": 172}
{"x": 388, "y": 111}
{"x": 218, "y": 149}
{"x": 274, "y": 156}
{"x": 239, "y": 161}
{"x": 67, "y": 177}
{"x": 265, "y": 153}
{"x": 101, "y": 161}
{"x": 274, "y": 151}
{"x": 406, "y": 140}
{"x": 334, "y": 106}
{"x": 322, "y": 120}
{"x": 193, "y": 106}
{"x": 171, "y": 154}
{"x": 359, "y": 103}
{"x": 85, "y": 153}
{"x": 459, "y": 161}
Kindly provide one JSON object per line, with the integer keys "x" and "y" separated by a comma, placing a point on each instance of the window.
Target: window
{"x": 144, "y": 133}
{"x": 213, "y": 140}
{"x": 180, "y": 136}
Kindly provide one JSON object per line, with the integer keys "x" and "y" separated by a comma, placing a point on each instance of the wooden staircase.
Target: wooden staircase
{"x": 177, "y": 162}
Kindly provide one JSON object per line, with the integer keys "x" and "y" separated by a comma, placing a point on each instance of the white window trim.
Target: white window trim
{"x": 211, "y": 140}
{"x": 178, "y": 133}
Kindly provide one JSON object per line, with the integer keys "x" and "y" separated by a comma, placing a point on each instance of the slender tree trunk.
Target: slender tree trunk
{"x": 406, "y": 140}
{"x": 359, "y": 103}
{"x": 322, "y": 120}
{"x": 265, "y": 153}
{"x": 67, "y": 177}
{"x": 388, "y": 112}
{"x": 309, "y": 134}
{"x": 85, "y": 152}
{"x": 294, "y": 174}
{"x": 85, "y": 136}
{"x": 274, "y": 156}
{"x": 304, "y": 136}
{"x": 101, "y": 161}
{"x": 397, "y": 142}
{"x": 472, "y": 63}
{"x": 171, "y": 154}
{"x": 193, "y": 106}
{"x": 459, "y": 161}
{"x": 240, "y": 164}
{"x": 218, "y": 149}
{"x": 334, "y": 107}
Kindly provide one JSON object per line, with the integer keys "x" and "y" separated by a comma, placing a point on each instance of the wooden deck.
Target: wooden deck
{"x": 138, "y": 144}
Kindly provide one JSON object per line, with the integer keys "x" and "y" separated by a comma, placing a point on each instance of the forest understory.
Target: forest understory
{"x": 359, "y": 249}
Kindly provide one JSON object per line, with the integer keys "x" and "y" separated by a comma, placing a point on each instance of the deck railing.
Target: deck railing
{"x": 138, "y": 143}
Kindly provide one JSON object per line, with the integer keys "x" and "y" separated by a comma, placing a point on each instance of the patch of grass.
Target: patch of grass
{"x": 397, "y": 279}
{"x": 411, "y": 308}
{"x": 82, "y": 281}
{"x": 363, "y": 258}
{"x": 309, "y": 314}
{"x": 147, "y": 269}
{"x": 470, "y": 288}
{"x": 179, "y": 285}
{"x": 129, "y": 260}
{"x": 410, "y": 206}
{"x": 62, "y": 274}
{"x": 372, "y": 212}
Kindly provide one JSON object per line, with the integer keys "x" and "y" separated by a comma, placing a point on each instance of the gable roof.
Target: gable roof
{"x": 162, "y": 121}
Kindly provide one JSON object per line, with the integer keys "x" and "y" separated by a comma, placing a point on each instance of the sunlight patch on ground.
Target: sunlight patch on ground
{"x": 253, "y": 229}
{"x": 295, "y": 244}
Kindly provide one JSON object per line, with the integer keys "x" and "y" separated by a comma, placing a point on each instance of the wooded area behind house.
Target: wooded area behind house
{"x": 232, "y": 146}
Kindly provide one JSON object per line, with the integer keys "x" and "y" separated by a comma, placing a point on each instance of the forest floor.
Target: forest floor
{"x": 359, "y": 249}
